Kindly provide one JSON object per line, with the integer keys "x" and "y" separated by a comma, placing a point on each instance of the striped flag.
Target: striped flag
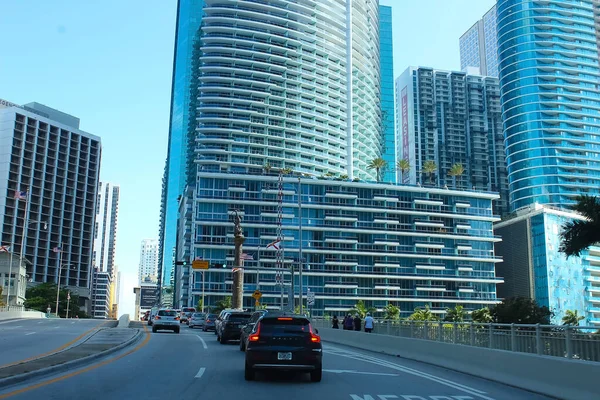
{"x": 20, "y": 195}
{"x": 4, "y": 249}
{"x": 57, "y": 249}
{"x": 247, "y": 256}
{"x": 274, "y": 244}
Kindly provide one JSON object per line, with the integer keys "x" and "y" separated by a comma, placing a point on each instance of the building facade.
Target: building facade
{"x": 386, "y": 49}
{"x": 451, "y": 118}
{"x": 185, "y": 224}
{"x": 180, "y": 153}
{"x": 148, "y": 267}
{"x": 405, "y": 245}
{"x": 534, "y": 267}
{"x": 105, "y": 231}
{"x": 101, "y": 294}
{"x": 549, "y": 71}
{"x": 479, "y": 46}
{"x": 49, "y": 172}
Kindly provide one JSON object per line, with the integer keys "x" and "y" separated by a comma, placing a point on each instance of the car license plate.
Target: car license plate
{"x": 284, "y": 356}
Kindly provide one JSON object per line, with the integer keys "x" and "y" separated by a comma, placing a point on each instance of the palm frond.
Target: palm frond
{"x": 588, "y": 206}
{"x": 577, "y": 236}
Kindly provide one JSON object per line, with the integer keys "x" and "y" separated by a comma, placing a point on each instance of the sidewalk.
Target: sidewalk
{"x": 105, "y": 341}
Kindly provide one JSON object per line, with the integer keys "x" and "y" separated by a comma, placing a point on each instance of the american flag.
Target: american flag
{"x": 20, "y": 195}
{"x": 247, "y": 256}
{"x": 57, "y": 249}
{"x": 4, "y": 249}
{"x": 274, "y": 244}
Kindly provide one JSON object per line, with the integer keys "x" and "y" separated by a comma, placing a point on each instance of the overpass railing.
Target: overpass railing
{"x": 573, "y": 342}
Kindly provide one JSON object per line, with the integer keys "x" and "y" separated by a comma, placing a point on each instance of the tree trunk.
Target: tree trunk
{"x": 237, "y": 295}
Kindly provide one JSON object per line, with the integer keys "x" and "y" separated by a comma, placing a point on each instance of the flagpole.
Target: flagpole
{"x": 68, "y": 301}
{"x": 9, "y": 274}
{"x": 25, "y": 226}
{"x": 59, "y": 271}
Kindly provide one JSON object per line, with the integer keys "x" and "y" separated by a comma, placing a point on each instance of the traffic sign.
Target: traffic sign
{"x": 199, "y": 264}
{"x": 310, "y": 298}
{"x": 257, "y": 295}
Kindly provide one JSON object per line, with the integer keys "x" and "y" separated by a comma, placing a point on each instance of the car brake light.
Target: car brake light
{"x": 157, "y": 317}
{"x": 314, "y": 337}
{"x": 284, "y": 319}
{"x": 176, "y": 318}
{"x": 256, "y": 335}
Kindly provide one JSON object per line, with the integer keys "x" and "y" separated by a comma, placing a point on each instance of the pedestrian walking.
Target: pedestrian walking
{"x": 348, "y": 323}
{"x": 357, "y": 323}
{"x": 335, "y": 322}
{"x": 369, "y": 323}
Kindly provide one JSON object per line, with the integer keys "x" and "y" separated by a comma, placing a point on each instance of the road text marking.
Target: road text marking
{"x": 200, "y": 373}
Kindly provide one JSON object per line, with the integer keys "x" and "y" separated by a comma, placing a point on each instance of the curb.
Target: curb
{"x": 69, "y": 364}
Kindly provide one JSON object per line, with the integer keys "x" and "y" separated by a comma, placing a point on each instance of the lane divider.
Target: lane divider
{"x": 61, "y": 348}
{"x": 78, "y": 372}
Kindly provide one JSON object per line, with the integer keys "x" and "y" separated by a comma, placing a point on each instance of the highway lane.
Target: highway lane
{"x": 26, "y": 338}
{"x": 193, "y": 365}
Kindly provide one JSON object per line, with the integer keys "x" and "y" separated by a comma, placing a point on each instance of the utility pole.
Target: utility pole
{"x": 300, "y": 261}
{"x": 237, "y": 300}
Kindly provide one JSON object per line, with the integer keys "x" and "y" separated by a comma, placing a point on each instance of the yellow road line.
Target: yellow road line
{"x": 79, "y": 372}
{"x": 61, "y": 348}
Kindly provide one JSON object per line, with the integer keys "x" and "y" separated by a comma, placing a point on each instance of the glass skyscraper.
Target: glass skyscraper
{"x": 549, "y": 79}
{"x": 479, "y": 45}
{"x": 180, "y": 167}
{"x": 386, "y": 49}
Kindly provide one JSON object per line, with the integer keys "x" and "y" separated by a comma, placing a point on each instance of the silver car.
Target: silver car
{"x": 197, "y": 320}
{"x": 166, "y": 319}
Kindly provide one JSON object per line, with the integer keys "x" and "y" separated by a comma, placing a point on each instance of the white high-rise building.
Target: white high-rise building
{"x": 105, "y": 230}
{"x": 148, "y": 268}
{"x": 49, "y": 172}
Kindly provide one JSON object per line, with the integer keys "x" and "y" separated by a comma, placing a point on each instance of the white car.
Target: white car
{"x": 197, "y": 320}
{"x": 166, "y": 319}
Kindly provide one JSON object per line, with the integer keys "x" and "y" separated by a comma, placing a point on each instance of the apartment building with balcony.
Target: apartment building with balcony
{"x": 534, "y": 267}
{"x": 479, "y": 46}
{"x": 406, "y": 245}
{"x": 55, "y": 165}
{"x": 452, "y": 117}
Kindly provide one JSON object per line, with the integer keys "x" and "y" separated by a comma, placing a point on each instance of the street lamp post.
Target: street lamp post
{"x": 59, "y": 272}
{"x": 300, "y": 241}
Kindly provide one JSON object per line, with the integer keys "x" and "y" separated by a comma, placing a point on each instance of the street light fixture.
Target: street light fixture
{"x": 58, "y": 284}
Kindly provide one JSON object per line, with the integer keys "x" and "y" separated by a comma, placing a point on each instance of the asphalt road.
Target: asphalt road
{"x": 193, "y": 365}
{"x": 26, "y": 338}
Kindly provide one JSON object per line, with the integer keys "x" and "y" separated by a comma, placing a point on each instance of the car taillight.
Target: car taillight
{"x": 256, "y": 335}
{"x": 176, "y": 318}
{"x": 157, "y": 317}
{"x": 314, "y": 337}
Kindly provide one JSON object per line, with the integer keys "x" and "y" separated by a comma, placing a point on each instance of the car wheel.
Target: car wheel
{"x": 223, "y": 341}
{"x": 317, "y": 374}
{"x": 242, "y": 347}
{"x": 248, "y": 373}
{"x": 203, "y": 329}
{"x": 190, "y": 326}
{"x": 154, "y": 329}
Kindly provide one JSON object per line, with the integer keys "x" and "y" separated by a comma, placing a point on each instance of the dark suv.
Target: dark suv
{"x": 283, "y": 341}
{"x": 249, "y": 327}
{"x": 230, "y": 325}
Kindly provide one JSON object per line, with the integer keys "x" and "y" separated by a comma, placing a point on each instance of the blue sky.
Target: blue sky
{"x": 109, "y": 63}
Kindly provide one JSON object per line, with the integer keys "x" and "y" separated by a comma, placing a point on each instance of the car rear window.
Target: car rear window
{"x": 274, "y": 325}
{"x": 189, "y": 310}
{"x": 198, "y": 315}
{"x": 239, "y": 317}
{"x": 211, "y": 316}
{"x": 167, "y": 313}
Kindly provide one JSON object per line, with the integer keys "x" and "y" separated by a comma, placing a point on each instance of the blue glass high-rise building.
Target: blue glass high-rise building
{"x": 386, "y": 51}
{"x": 549, "y": 78}
{"x": 181, "y": 138}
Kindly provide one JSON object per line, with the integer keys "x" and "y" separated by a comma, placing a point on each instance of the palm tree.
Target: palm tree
{"x": 456, "y": 314}
{"x": 403, "y": 166}
{"x": 391, "y": 312}
{"x": 222, "y": 304}
{"x": 430, "y": 168}
{"x": 362, "y": 310}
{"x": 571, "y": 318}
{"x": 421, "y": 314}
{"x": 482, "y": 316}
{"x": 578, "y": 235}
{"x": 286, "y": 171}
{"x": 378, "y": 164}
{"x": 344, "y": 177}
{"x": 456, "y": 170}
{"x": 267, "y": 168}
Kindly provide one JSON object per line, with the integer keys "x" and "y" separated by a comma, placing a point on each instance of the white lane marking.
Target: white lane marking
{"x": 72, "y": 323}
{"x": 30, "y": 333}
{"x": 200, "y": 373}
{"x": 384, "y": 363}
{"x": 203, "y": 342}
{"x": 348, "y": 371}
{"x": 14, "y": 320}
{"x": 41, "y": 322}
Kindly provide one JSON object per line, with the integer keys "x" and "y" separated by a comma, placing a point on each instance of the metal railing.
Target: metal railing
{"x": 14, "y": 308}
{"x": 578, "y": 343}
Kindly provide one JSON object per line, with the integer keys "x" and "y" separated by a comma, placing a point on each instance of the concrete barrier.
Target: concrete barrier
{"x": 551, "y": 376}
{"x": 21, "y": 314}
{"x": 123, "y": 321}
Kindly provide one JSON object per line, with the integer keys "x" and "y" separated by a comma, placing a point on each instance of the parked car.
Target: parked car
{"x": 283, "y": 341}
{"x": 166, "y": 319}
{"x": 197, "y": 320}
{"x": 186, "y": 313}
{"x": 231, "y": 323}
{"x": 209, "y": 322}
{"x": 249, "y": 327}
